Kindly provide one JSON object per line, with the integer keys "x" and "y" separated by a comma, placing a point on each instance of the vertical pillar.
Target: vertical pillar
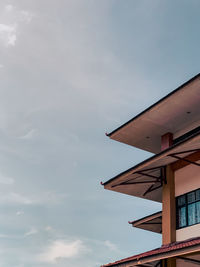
{"x": 168, "y": 208}
{"x": 164, "y": 263}
{"x": 169, "y": 262}
{"x": 166, "y": 140}
{"x": 168, "y": 204}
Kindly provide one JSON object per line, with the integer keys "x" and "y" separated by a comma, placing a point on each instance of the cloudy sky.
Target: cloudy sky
{"x": 71, "y": 70}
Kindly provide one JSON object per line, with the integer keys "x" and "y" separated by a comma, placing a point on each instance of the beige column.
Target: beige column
{"x": 168, "y": 208}
{"x": 169, "y": 263}
{"x": 166, "y": 141}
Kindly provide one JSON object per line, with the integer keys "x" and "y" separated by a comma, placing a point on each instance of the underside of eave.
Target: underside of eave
{"x": 155, "y": 104}
{"x": 145, "y": 179}
{"x": 151, "y": 223}
{"x": 178, "y": 113}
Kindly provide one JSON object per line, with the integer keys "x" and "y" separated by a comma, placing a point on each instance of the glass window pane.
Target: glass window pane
{"x": 182, "y": 216}
{"x": 191, "y": 214}
{"x": 191, "y": 197}
{"x": 198, "y": 212}
{"x": 188, "y": 209}
{"x": 181, "y": 200}
{"x": 198, "y": 194}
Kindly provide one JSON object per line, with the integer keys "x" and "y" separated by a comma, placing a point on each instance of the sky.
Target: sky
{"x": 71, "y": 70}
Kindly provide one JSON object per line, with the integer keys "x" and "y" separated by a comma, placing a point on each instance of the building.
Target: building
{"x": 171, "y": 130}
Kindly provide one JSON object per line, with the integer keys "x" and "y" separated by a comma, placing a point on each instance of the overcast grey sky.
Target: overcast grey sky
{"x": 70, "y": 71}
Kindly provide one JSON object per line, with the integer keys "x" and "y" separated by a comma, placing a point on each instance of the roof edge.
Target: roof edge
{"x": 150, "y": 107}
{"x": 146, "y": 217}
{"x": 163, "y": 251}
{"x": 152, "y": 157}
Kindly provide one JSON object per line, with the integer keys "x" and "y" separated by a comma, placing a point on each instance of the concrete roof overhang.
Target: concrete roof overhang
{"x": 145, "y": 180}
{"x": 177, "y": 113}
{"x": 151, "y": 223}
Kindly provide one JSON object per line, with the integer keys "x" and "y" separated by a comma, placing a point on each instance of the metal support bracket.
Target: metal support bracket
{"x": 175, "y": 155}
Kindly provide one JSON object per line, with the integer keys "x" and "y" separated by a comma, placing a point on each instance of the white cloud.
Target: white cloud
{"x": 19, "y": 213}
{"x": 14, "y": 198}
{"x": 30, "y": 135}
{"x": 26, "y": 16}
{"x": 3, "y": 236}
{"x": 110, "y": 245}
{"x": 9, "y": 8}
{"x": 32, "y": 231}
{"x": 8, "y": 34}
{"x": 61, "y": 249}
{"x": 48, "y": 228}
{"x": 12, "y": 21}
{"x": 6, "y": 180}
{"x": 44, "y": 198}
{"x": 51, "y": 197}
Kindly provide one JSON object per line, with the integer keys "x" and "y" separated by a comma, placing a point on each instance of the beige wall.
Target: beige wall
{"x": 188, "y": 232}
{"x": 182, "y": 263}
{"x": 186, "y": 180}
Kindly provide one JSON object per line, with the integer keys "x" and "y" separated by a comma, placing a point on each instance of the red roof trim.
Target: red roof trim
{"x": 165, "y": 248}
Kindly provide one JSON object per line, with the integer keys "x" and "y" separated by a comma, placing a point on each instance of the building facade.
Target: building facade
{"x": 171, "y": 130}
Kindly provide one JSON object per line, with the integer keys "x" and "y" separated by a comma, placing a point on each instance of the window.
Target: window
{"x": 188, "y": 209}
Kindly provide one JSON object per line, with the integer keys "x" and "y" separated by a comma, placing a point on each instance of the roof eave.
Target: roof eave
{"x": 170, "y": 254}
{"x": 139, "y": 259}
{"x": 151, "y": 158}
{"x": 149, "y": 108}
{"x": 159, "y": 213}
